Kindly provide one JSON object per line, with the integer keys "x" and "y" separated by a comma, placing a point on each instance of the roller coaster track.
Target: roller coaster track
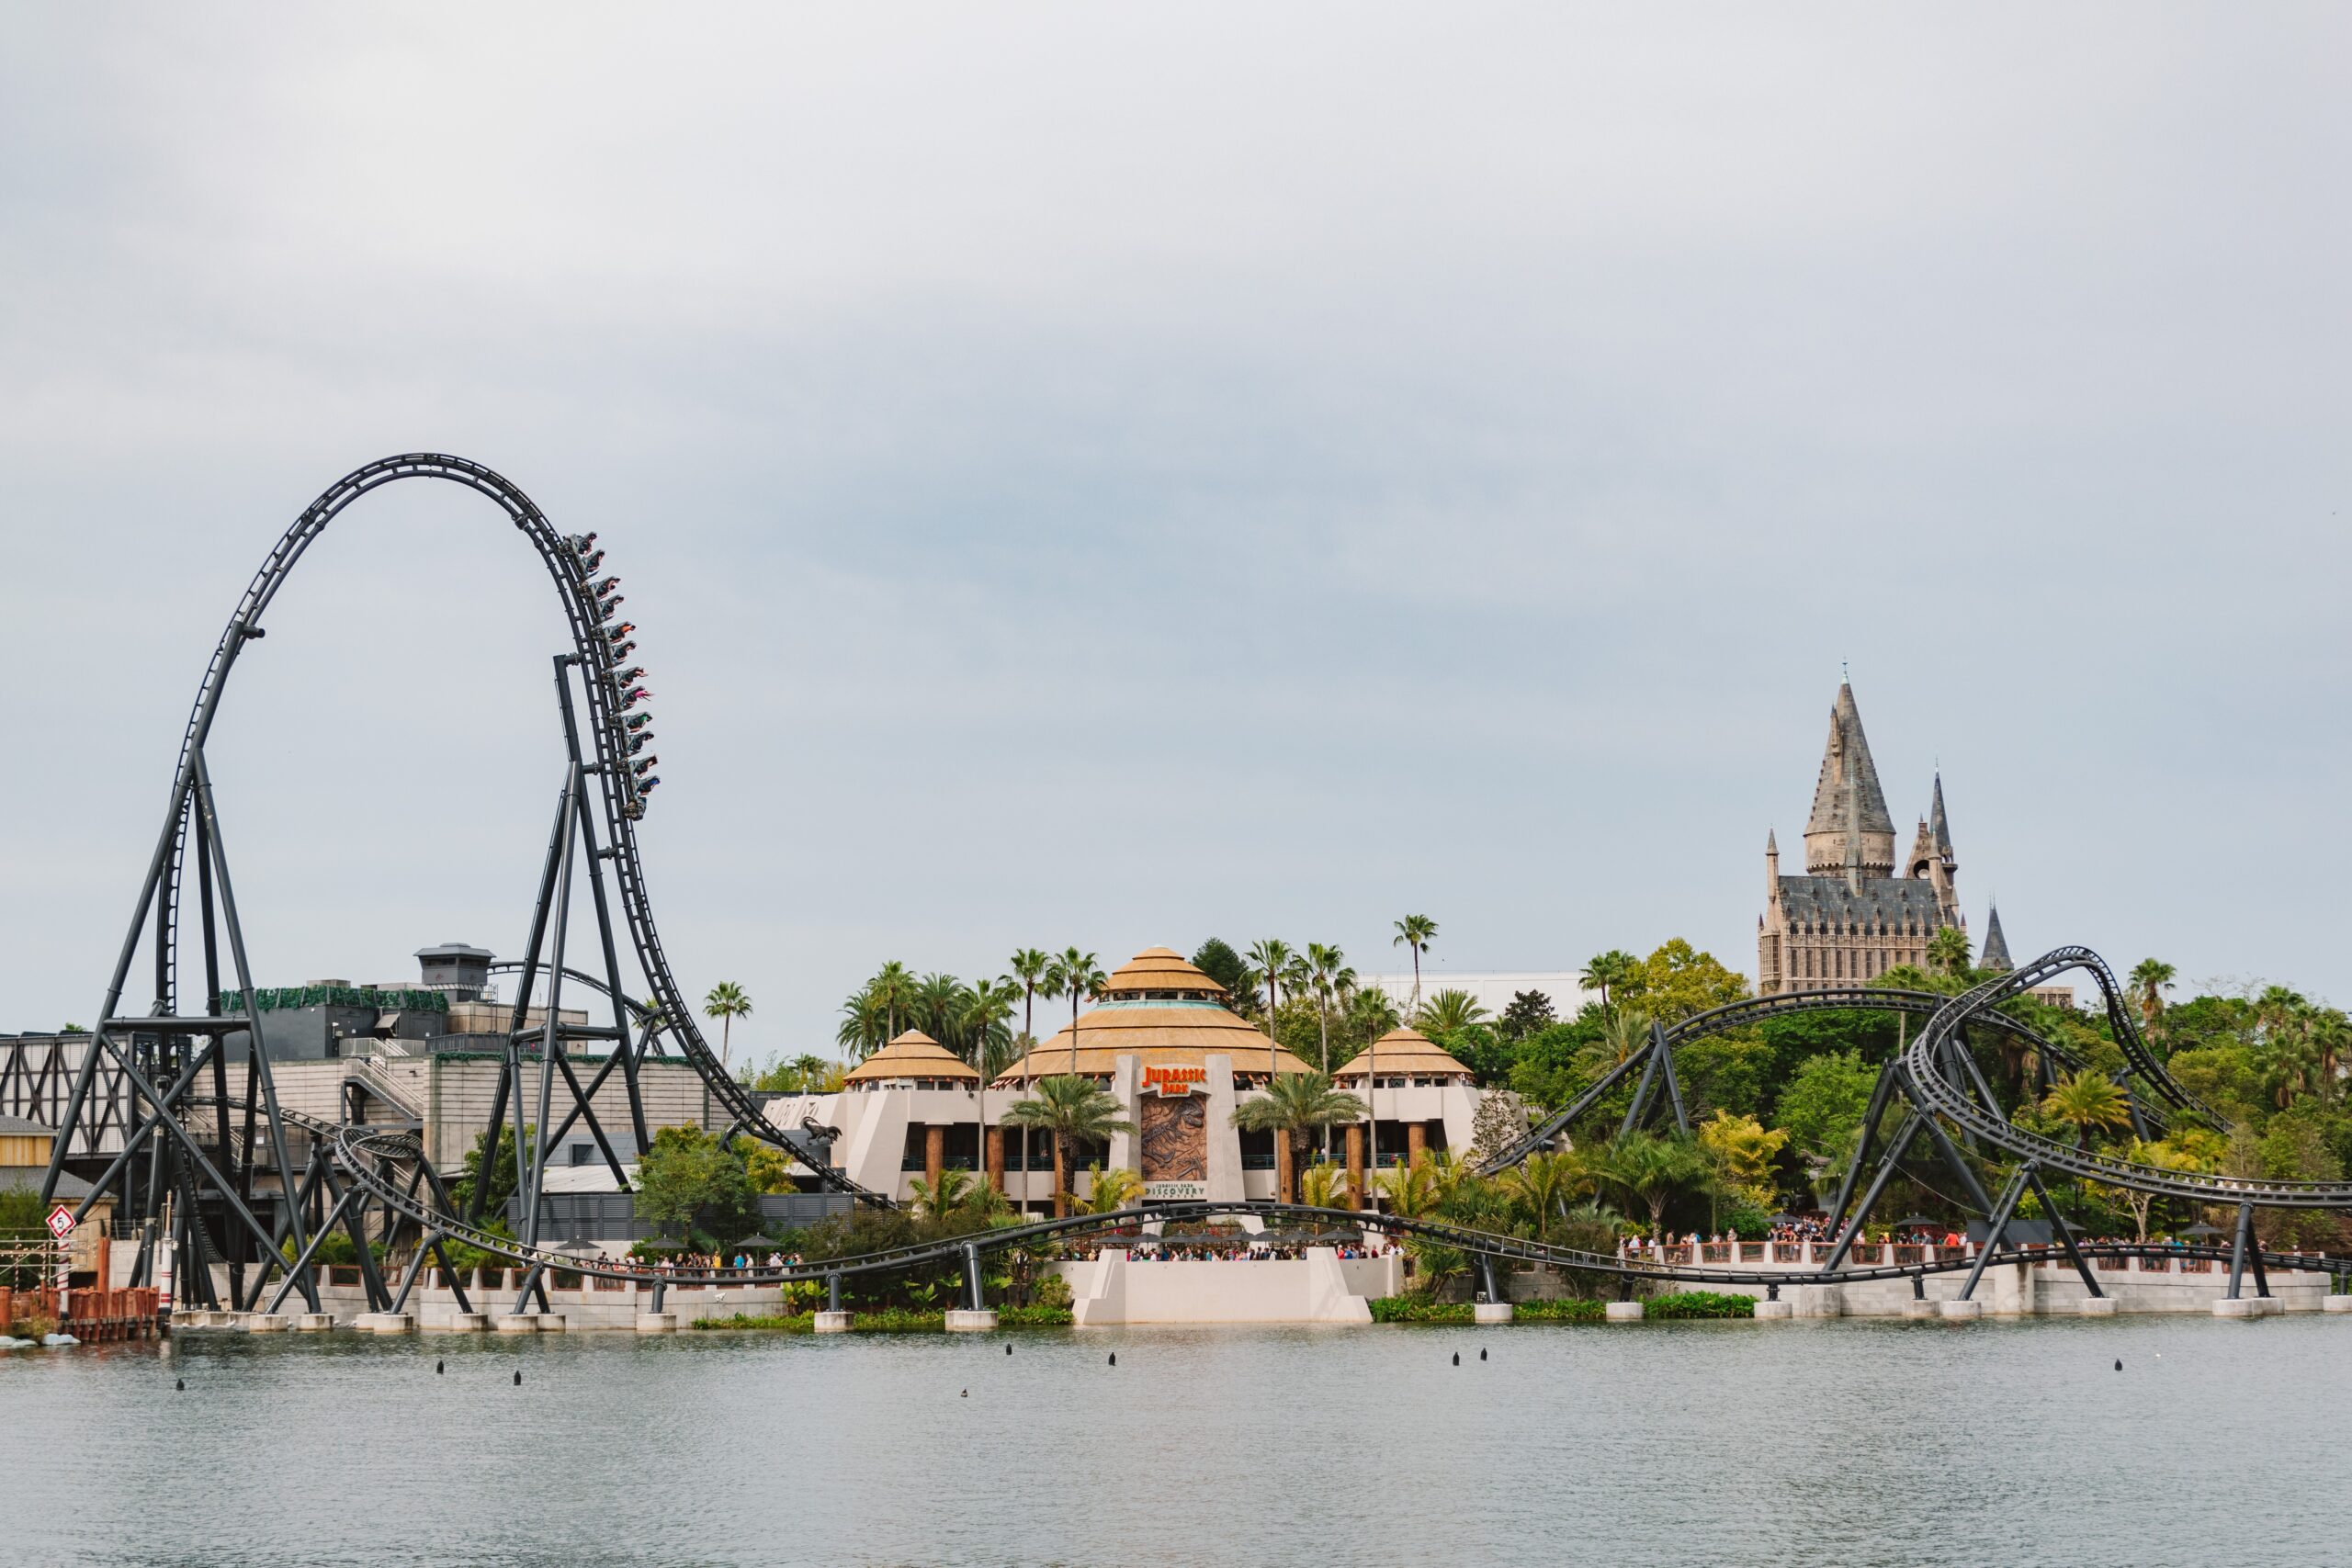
{"x": 621, "y": 803}
{"x": 1922, "y": 1066}
{"x": 1755, "y": 1009}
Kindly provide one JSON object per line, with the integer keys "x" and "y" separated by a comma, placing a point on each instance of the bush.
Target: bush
{"x": 1040, "y": 1316}
{"x": 799, "y": 1322}
{"x": 1700, "y": 1304}
{"x": 1416, "y": 1307}
{"x": 1567, "y": 1309}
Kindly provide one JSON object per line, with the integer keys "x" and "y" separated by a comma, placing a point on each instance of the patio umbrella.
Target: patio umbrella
{"x": 2201, "y": 1228}
{"x": 1917, "y": 1223}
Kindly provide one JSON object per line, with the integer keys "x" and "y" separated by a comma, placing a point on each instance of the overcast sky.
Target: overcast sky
{"x": 1117, "y": 475}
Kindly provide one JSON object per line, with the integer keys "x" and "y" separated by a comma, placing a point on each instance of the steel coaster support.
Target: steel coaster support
{"x": 1664, "y": 1056}
{"x": 1895, "y": 1150}
{"x": 1487, "y": 1276}
{"x": 1874, "y": 1115}
{"x": 832, "y": 1292}
{"x": 2066, "y": 1232}
{"x": 2239, "y": 1243}
{"x": 257, "y": 1053}
{"x": 597, "y": 858}
{"x": 972, "y": 1275}
{"x": 1642, "y": 1090}
{"x": 2003, "y": 1211}
{"x": 1954, "y": 1161}
{"x": 300, "y": 1265}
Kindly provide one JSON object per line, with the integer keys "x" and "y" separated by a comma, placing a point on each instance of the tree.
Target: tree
{"x": 1544, "y": 1187}
{"x": 1653, "y": 1170}
{"x": 2150, "y": 979}
{"x": 1948, "y": 951}
{"x": 769, "y": 1170}
{"x": 2087, "y": 1099}
{"x": 494, "y": 1147}
{"x": 1500, "y": 1123}
{"x": 1741, "y": 1149}
{"x": 1328, "y": 977}
{"x": 1821, "y": 1107}
{"x": 1415, "y": 933}
{"x": 1112, "y": 1191}
{"x": 1448, "y": 1011}
{"x": 1276, "y": 965}
{"x": 1529, "y": 1012}
{"x": 952, "y": 1195}
{"x": 1294, "y": 1105}
{"x": 1216, "y": 959}
{"x": 726, "y": 1003}
{"x": 938, "y": 1010}
{"x": 1609, "y": 973}
{"x": 1078, "y": 976}
{"x": 689, "y": 1180}
{"x": 1678, "y": 980}
{"x": 894, "y": 988}
{"x": 987, "y": 1018}
{"x": 866, "y": 1025}
{"x": 1070, "y": 1109}
{"x": 811, "y": 1072}
{"x": 1029, "y": 967}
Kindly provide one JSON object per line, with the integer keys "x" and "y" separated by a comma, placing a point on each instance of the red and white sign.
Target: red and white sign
{"x": 60, "y": 1222}
{"x": 1175, "y": 1080}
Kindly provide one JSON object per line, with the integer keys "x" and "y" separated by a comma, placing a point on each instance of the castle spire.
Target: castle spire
{"x": 1996, "y": 948}
{"x": 1850, "y": 825}
{"x": 1937, "y": 824}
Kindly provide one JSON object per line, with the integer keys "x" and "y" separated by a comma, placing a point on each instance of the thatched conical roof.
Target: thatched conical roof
{"x": 1407, "y": 1054}
{"x": 913, "y": 1054}
{"x": 1166, "y": 1012}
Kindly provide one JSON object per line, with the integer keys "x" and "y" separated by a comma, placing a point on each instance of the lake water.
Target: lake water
{"x": 1821, "y": 1442}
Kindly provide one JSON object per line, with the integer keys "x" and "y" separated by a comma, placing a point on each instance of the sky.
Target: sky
{"x": 1114, "y": 476}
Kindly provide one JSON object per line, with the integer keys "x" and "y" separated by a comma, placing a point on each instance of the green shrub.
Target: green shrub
{"x": 1416, "y": 1307}
{"x": 799, "y": 1323}
{"x": 1567, "y": 1309}
{"x": 1038, "y": 1315}
{"x": 1700, "y": 1304}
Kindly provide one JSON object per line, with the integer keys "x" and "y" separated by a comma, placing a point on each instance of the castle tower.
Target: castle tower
{"x": 1996, "y": 947}
{"x": 1850, "y": 832}
{"x": 1932, "y": 859}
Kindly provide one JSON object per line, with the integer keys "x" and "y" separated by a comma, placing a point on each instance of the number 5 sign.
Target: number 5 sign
{"x": 60, "y": 1222}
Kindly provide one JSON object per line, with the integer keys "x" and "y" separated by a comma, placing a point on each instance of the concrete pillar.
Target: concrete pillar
{"x": 2336, "y": 1303}
{"x": 516, "y": 1323}
{"x": 1489, "y": 1314}
{"x": 833, "y": 1323}
{"x": 1915, "y": 1307}
{"x": 1624, "y": 1312}
{"x": 995, "y": 1160}
{"x": 1775, "y": 1311}
{"x": 965, "y": 1321}
{"x": 1963, "y": 1312}
{"x": 1285, "y": 1174}
{"x": 1225, "y": 1142}
{"x": 2096, "y": 1306}
{"x": 1357, "y": 1189}
{"x": 657, "y": 1323}
{"x": 2239, "y": 1306}
{"x": 314, "y": 1322}
{"x": 469, "y": 1323}
{"x": 934, "y": 1153}
{"x": 267, "y": 1323}
{"x": 1416, "y": 1141}
{"x": 387, "y": 1322}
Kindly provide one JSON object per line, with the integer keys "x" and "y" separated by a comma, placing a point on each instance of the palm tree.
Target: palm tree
{"x": 1275, "y": 962}
{"x": 1068, "y": 1108}
{"x": 2150, "y": 979}
{"x": 2330, "y": 1034}
{"x": 809, "y": 1069}
{"x": 1414, "y": 934}
{"x": 953, "y": 1193}
{"x": 1450, "y": 1011}
{"x": 1329, "y": 974}
{"x": 2086, "y": 1098}
{"x": 938, "y": 1010}
{"x": 986, "y": 1018}
{"x": 1112, "y": 1191}
{"x": 894, "y": 987}
{"x": 1948, "y": 951}
{"x": 1609, "y": 973}
{"x": 1029, "y": 967}
{"x": 1294, "y": 1105}
{"x": 1079, "y": 977}
{"x": 726, "y": 1003}
{"x": 1653, "y": 1170}
{"x": 1543, "y": 1185}
{"x": 866, "y": 1023}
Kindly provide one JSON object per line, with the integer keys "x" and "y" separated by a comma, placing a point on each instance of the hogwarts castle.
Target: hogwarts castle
{"x": 1857, "y": 912}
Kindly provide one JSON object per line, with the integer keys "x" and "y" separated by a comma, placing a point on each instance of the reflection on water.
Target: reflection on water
{"x": 1836, "y": 1442}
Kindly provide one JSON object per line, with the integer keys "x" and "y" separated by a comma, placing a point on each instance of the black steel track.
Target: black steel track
{"x": 612, "y": 763}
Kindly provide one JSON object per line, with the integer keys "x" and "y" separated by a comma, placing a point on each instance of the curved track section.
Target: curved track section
{"x": 595, "y": 650}
{"x": 1756, "y": 1009}
{"x": 1922, "y": 1067}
